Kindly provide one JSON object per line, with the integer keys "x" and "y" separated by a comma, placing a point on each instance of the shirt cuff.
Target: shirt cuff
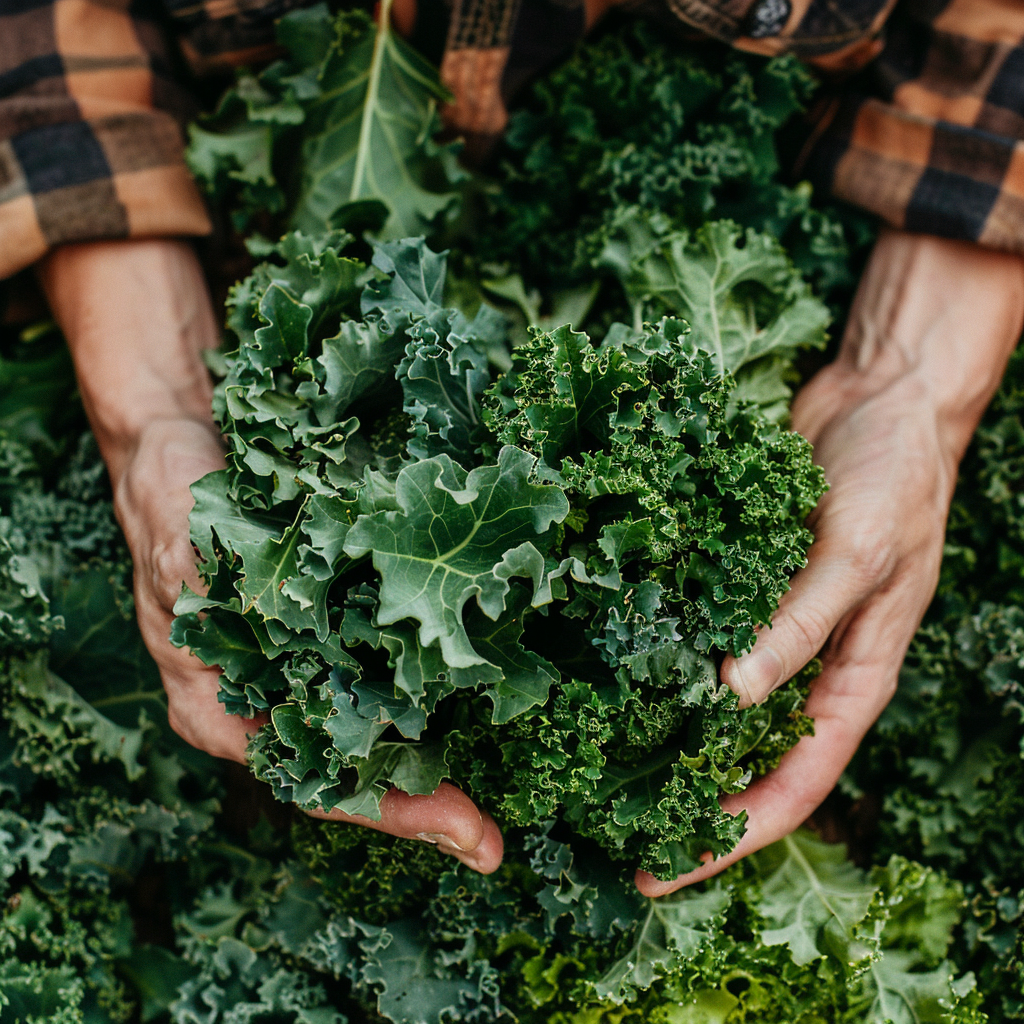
{"x": 922, "y": 173}
{"x": 104, "y": 177}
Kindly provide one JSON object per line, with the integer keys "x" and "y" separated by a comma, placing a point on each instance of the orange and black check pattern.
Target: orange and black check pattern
{"x": 90, "y": 129}
{"x": 930, "y": 136}
{"x": 924, "y": 127}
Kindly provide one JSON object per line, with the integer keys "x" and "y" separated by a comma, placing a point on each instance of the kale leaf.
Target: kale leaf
{"x": 561, "y": 544}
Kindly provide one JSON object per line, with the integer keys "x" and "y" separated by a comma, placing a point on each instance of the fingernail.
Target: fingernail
{"x": 758, "y": 672}
{"x": 439, "y": 839}
{"x": 654, "y": 888}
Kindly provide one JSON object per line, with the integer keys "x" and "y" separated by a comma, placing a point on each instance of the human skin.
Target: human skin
{"x": 930, "y": 332}
{"x": 137, "y": 317}
{"x": 928, "y": 338}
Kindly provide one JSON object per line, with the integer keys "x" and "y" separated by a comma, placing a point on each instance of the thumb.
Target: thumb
{"x": 820, "y": 596}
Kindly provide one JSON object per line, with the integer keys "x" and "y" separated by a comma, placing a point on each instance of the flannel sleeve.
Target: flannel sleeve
{"x": 930, "y": 136}
{"x": 90, "y": 129}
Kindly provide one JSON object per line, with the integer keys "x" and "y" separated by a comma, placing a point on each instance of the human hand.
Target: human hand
{"x": 930, "y": 331}
{"x": 137, "y": 317}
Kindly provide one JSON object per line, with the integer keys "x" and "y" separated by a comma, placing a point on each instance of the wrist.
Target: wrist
{"x": 931, "y": 329}
{"x": 137, "y": 318}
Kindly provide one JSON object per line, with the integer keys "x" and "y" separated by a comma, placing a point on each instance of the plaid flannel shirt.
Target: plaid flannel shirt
{"x": 927, "y": 129}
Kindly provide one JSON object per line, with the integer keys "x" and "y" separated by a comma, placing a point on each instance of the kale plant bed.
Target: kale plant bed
{"x": 496, "y": 517}
{"x": 321, "y": 924}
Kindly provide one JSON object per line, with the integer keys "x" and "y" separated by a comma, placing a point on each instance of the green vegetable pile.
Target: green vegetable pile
{"x": 458, "y": 538}
{"x": 423, "y": 573}
{"x": 141, "y": 880}
{"x": 633, "y": 129}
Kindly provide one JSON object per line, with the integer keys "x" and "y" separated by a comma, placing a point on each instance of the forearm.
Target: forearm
{"x": 930, "y": 332}
{"x": 137, "y": 318}
{"x": 933, "y": 325}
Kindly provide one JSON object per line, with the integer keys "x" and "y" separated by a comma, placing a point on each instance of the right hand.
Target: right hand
{"x": 928, "y": 337}
{"x": 137, "y": 317}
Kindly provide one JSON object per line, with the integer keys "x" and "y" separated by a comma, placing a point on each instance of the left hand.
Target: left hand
{"x": 137, "y": 317}
{"x": 930, "y": 331}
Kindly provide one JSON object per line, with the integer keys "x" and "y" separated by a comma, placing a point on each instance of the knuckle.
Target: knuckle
{"x": 872, "y": 554}
{"x": 811, "y": 627}
{"x": 887, "y": 688}
{"x": 200, "y": 736}
{"x": 178, "y": 724}
{"x": 172, "y": 565}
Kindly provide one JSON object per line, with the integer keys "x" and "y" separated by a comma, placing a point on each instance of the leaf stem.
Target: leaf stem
{"x": 716, "y": 330}
{"x": 372, "y": 87}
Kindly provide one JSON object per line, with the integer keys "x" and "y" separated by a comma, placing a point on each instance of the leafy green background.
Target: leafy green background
{"x": 142, "y": 881}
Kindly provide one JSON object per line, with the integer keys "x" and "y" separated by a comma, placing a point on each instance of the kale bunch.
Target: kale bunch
{"x": 424, "y": 569}
{"x": 141, "y": 880}
{"x": 558, "y": 935}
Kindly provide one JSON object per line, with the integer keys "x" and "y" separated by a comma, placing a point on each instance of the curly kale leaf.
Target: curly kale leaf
{"x": 455, "y": 536}
{"x": 640, "y": 774}
{"x": 53, "y": 724}
{"x": 592, "y": 515}
{"x": 683, "y": 131}
{"x": 713, "y": 506}
{"x": 812, "y": 899}
{"x": 737, "y": 290}
{"x": 675, "y": 927}
{"x": 747, "y": 305}
{"x": 236, "y": 983}
{"x": 25, "y": 617}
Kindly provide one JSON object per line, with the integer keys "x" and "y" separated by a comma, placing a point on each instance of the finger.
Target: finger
{"x": 833, "y": 582}
{"x": 173, "y": 565}
{"x": 486, "y": 858}
{"x": 194, "y": 711}
{"x": 200, "y": 719}
{"x": 782, "y": 800}
{"x": 845, "y": 701}
{"x": 446, "y": 818}
{"x": 174, "y": 562}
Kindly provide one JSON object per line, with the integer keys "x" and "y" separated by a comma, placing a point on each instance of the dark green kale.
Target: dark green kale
{"x": 594, "y": 519}
{"x": 638, "y": 121}
{"x": 946, "y": 759}
{"x": 89, "y": 774}
{"x": 358, "y": 105}
{"x": 330, "y": 924}
{"x": 798, "y": 934}
{"x": 544, "y": 565}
